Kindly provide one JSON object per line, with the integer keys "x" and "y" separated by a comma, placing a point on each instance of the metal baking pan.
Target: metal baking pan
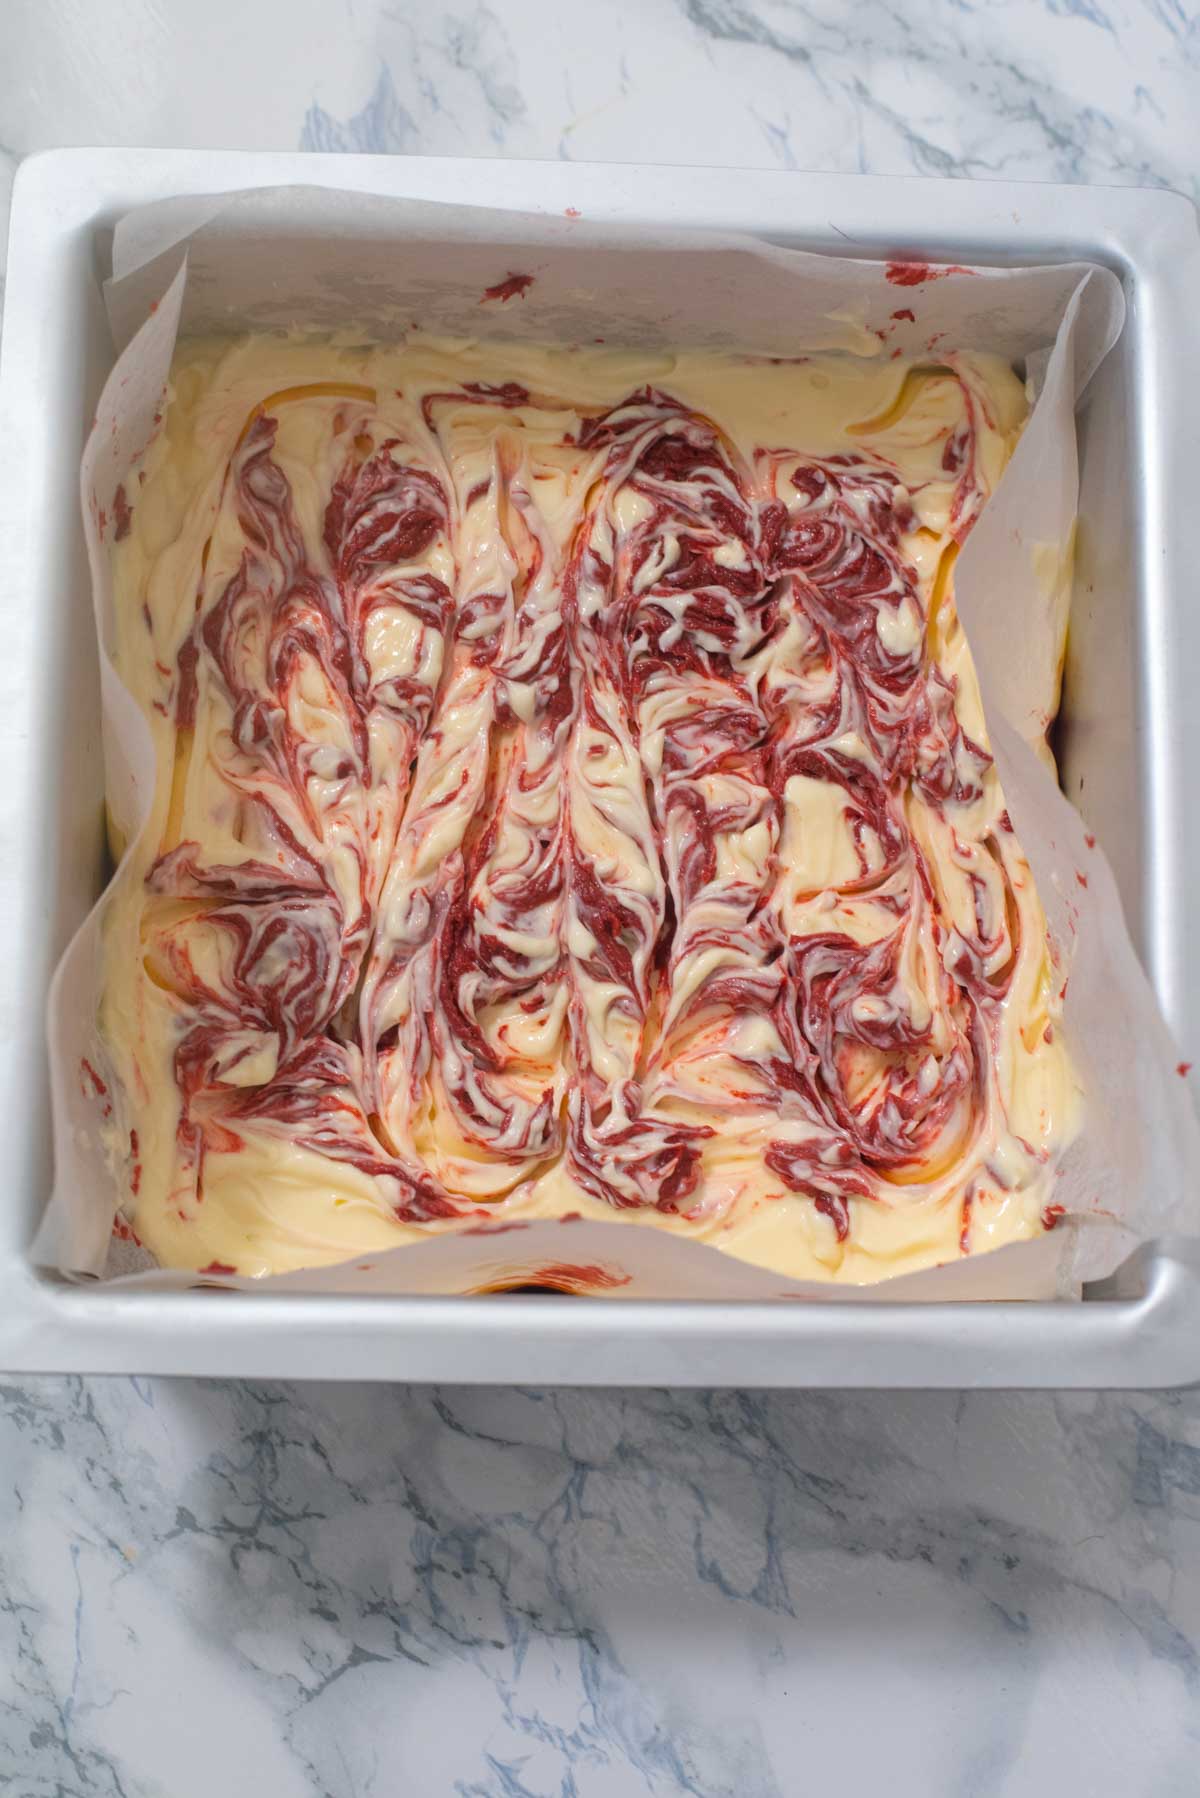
{"x": 1125, "y": 747}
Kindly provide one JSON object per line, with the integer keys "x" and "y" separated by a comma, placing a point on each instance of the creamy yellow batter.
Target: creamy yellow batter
{"x": 573, "y": 796}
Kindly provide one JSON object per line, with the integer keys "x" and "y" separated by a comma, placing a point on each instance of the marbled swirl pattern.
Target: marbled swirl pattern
{"x": 372, "y": 1591}
{"x": 364, "y": 1592}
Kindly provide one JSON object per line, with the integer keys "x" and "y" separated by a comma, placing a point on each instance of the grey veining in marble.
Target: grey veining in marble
{"x": 232, "y": 1588}
{"x": 1078, "y": 90}
{"x": 263, "y": 1592}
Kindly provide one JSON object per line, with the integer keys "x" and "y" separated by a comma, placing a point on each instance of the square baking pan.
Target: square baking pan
{"x": 1125, "y": 748}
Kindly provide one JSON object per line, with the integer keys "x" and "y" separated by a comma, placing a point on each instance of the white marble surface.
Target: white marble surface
{"x": 364, "y": 1592}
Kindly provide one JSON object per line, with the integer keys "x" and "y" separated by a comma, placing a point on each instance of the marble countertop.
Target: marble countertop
{"x": 273, "y": 1591}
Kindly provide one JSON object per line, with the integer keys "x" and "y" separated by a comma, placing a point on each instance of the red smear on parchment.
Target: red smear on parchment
{"x": 915, "y": 274}
{"x": 513, "y": 287}
{"x": 122, "y": 513}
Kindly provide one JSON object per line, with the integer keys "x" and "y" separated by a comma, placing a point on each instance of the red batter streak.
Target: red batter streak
{"x": 513, "y": 287}
{"x": 916, "y": 274}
